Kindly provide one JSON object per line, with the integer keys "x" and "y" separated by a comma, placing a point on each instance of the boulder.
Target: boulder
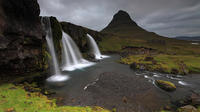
{"x": 133, "y": 66}
{"x": 195, "y": 99}
{"x": 174, "y": 71}
{"x": 165, "y": 85}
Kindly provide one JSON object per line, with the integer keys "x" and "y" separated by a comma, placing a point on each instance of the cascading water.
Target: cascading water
{"x": 72, "y": 58}
{"x": 94, "y": 48}
{"x": 57, "y": 74}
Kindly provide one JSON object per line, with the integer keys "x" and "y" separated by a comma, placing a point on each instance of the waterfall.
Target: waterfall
{"x": 94, "y": 49}
{"x": 72, "y": 58}
{"x": 49, "y": 38}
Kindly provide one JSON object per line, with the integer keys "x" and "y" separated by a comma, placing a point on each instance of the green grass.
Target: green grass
{"x": 171, "y": 46}
{"x": 17, "y": 99}
{"x": 167, "y": 62}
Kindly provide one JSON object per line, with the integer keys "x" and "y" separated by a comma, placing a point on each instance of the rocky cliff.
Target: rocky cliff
{"x": 20, "y": 36}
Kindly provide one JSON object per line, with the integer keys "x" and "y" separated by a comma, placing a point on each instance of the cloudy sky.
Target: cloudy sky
{"x": 166, "y": 17}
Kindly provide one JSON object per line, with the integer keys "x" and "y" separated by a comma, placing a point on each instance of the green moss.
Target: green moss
{"x": 45, "y": 57}
{"x": 183, "y": 64}
{"x": 17, "y": 99}
{"x": 166, "y": 83}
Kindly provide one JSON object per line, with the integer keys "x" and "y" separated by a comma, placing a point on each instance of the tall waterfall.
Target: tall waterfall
{"x": 72, "y": 58}
{"x": 49, "y": 38}
{"x": 94, "y": 49}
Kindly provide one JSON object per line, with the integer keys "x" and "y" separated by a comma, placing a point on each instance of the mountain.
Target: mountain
{"x": 123, "y": 32}
{"x": 196, "y": 38}
{"x": 123, "y": 25}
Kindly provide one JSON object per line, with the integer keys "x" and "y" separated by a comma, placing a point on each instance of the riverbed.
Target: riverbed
{"x": 112, "y": 85}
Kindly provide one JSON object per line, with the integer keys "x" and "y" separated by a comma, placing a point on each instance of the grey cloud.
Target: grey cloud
{"x": 165, "y": 17}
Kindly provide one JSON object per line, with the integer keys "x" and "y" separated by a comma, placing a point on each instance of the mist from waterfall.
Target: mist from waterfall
{"x": 72, "y": 58}
{"x": 49, "y": 38}
{"x": 94, "y": 49}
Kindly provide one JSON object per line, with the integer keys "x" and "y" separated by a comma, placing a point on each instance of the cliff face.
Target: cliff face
{"x": 20, "y": 36}
{"x": 78, "y": 33}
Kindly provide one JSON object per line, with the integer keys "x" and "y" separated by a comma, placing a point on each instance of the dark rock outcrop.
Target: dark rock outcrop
{"x": 20, "y": 36}
{"x": 78, "y": 33}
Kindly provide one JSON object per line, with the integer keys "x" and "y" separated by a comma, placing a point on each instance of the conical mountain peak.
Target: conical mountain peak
{"x": 121, "y": 18}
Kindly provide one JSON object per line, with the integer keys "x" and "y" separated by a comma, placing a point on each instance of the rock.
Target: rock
{"x": 21, "y": 37}
{"x": 195, "y": 99}
{"x": 188, "y": 108}
{"x": 165, "y": 85}
{"x": 174, "y": 71}
{"x": 133, "y": 66}
{"x": 90, "y": 56}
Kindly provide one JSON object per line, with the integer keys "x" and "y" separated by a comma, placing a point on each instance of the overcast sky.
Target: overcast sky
{"x": 166, "y": 17}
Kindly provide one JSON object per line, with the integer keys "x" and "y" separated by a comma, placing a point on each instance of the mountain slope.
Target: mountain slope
{"x": 124, "y": 26}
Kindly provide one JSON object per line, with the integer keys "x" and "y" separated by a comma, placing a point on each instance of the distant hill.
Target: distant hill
{"x": 196, "y": 38}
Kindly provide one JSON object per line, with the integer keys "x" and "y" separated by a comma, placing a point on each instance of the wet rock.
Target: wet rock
{"x": 174, "y": 71}
{"x": 91, "y": 56}
{"x": 165, "y": 85}
{"x": 133, "y": 66}
{"x": 188, "y": 108}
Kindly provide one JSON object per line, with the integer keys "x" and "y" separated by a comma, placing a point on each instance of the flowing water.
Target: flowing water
{"x": 84, "y": 87}
{"x": 72, "y": 58}
{"x": 94, "y": 49}
{"x": 49, "y": 38}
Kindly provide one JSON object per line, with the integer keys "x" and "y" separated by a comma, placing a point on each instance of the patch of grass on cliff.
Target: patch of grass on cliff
{"x": 167, "y": 63}
{"x": 15, "y": 98}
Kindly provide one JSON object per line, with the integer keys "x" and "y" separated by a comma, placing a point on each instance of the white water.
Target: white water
{"x": 94, "y": 48}
{"x": 72, "y": 58}
{"x": 183, "y": 83}
{"x": 57, "y": 74}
